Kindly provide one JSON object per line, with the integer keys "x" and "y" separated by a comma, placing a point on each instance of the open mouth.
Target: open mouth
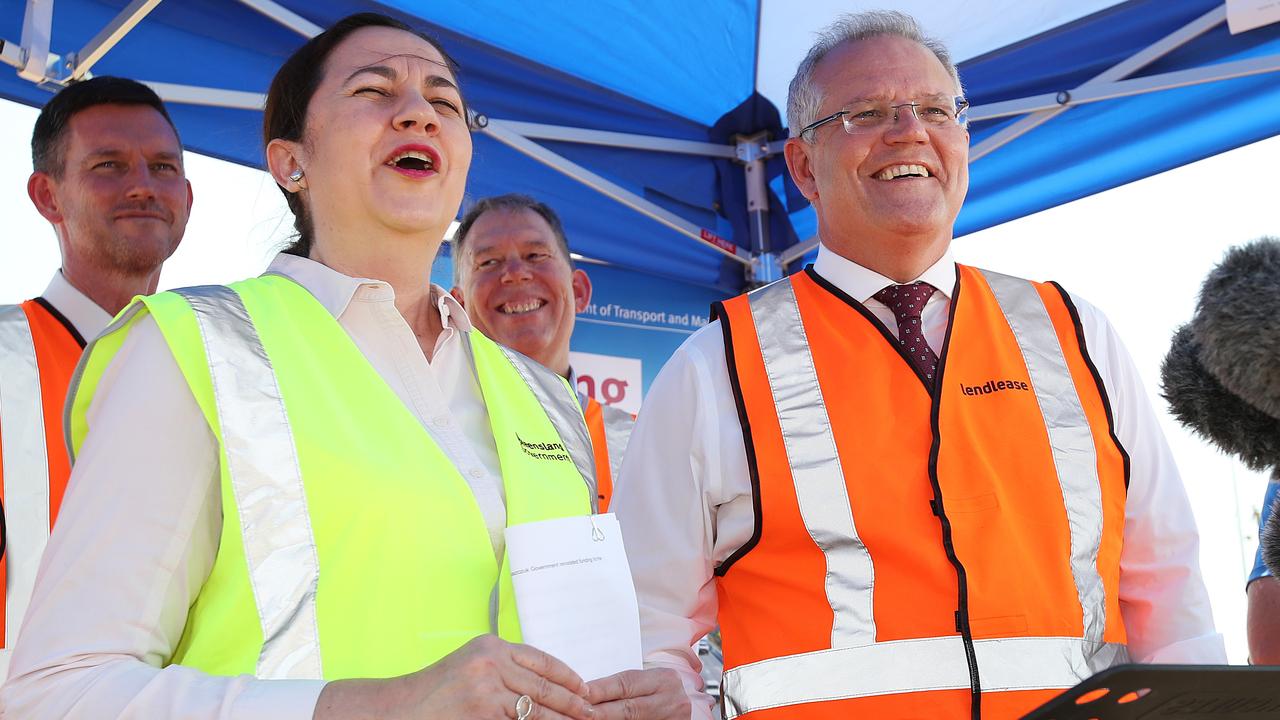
{"x": 895, "y": 172}
{"x": 415, "y": 161}
{"x": 521, "y": 307}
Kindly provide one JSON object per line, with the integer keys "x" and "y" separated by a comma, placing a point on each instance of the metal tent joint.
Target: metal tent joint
{"x": 751, "y": 148}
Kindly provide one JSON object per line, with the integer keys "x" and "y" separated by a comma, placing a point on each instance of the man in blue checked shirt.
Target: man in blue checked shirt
{"x": 1264, "y": 597}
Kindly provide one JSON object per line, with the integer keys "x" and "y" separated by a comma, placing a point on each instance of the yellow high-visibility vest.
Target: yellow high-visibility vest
{"x": 351, "y": 546}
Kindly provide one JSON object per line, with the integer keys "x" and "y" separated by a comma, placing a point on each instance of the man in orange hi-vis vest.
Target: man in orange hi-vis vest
{"x": 903, "y": 487}
{"x": 108, "y": 175}
{"x": 513, "y": 274}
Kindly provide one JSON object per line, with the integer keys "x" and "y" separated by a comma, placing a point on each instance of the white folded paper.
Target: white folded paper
{"x": 574, "y": 593}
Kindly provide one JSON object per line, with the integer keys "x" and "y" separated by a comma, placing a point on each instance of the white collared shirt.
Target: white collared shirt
{"x": 140, "y": 526}
{"x": 84, "y": 314}
{"x": 685, "y": 503}
{"x": 862, "y": 284}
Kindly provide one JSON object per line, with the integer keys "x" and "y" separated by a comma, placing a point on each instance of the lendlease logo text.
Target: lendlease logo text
{"x": 993, "y": 386}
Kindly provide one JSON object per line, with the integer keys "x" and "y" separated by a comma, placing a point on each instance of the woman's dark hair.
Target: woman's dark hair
{"x": 285, "y": 114}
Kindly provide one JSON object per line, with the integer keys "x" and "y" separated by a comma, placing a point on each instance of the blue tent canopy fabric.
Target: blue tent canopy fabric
{"x": 680, "y": 71}
{"x": 1095, "y": 147}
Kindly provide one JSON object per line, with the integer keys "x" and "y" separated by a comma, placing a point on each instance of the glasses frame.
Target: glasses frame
{"x": 961, "y": 120}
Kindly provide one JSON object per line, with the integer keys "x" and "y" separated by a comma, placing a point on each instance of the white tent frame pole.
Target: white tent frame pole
{"x": 37, "y": 30}
{"x": 752, "y": 151}
{"x": 1136, "y": 86}
{"x": 1153, "y": 52}
{"x": 11, "y": 53}
{"x": 498, "y": 130}
{"x": 206, "y": 96}
{"x": 539, "y": 131}
{"x": 113, "y": 33}
{"x": 285, "y": 17}
{"x": 797, "y": 251}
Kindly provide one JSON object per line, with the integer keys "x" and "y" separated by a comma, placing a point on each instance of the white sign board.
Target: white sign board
{"x": 610, "y": 379}
{"x": 1243, "y": 15}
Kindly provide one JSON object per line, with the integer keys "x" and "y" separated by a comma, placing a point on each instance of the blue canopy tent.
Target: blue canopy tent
{"x": 644, "y": 123}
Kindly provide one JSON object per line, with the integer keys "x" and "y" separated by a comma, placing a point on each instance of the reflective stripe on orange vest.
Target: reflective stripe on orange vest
{"x": 919, "y": 553}
{"x": 610, "y": 429}
{"x": 38, "y": 354}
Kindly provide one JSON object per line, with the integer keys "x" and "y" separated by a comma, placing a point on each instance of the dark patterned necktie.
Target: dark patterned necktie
{"x": 907, "y": 302}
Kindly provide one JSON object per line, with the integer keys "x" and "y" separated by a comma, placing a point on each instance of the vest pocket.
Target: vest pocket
{"x": 973, "y": 504}
{"x": 974, "y": 512}
{"x": 1004, "y": 626}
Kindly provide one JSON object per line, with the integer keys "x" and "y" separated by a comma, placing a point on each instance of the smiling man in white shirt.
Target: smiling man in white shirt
{"x": 513, "y": 272}
{"x": 108, "y": 176}
{"x": 903, "y": 487}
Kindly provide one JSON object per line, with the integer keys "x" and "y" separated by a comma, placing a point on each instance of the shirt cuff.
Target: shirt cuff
{"x": 279, "y": 699}
{"x": 700, "y": 702}
{"x": 1203, "y": 650}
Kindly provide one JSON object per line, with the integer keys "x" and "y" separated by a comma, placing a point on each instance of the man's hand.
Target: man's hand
{"x": 655, "y": 694}
{"x": 481, "y": 680}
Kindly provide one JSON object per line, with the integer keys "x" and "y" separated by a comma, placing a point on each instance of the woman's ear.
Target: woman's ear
{"x": 284, "y": 162}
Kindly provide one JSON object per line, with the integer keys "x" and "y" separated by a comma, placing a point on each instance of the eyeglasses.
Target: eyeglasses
{"x": 871, "y": 116}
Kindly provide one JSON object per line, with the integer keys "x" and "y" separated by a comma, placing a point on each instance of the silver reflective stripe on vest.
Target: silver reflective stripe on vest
{"x": 26, "y": 465}
{"x": 901, "y": 666}
{"x": 1070, "y": 438}
{"x": 617, "y": 431}
{"x": 561, "y": 406}
{"x": 815, "y": 464}
{"x": 262, "y": 463}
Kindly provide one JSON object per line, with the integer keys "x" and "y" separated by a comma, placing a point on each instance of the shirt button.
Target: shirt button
{"x": 475, "y": 473}
{"x": 440, "y": 421}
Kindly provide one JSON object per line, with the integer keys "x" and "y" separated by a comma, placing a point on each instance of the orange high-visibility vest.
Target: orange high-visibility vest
{"x": 920, "y": 552}
{"x": 610, "y": 429}
{"x": 39, "y": 349}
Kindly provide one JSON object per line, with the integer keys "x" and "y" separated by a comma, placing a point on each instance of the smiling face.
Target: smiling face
{"x": 386, "y": 147}
{"x": 885, "y": 198}
{"x": 122, "y": 201}
{"x": 518, "y": 287}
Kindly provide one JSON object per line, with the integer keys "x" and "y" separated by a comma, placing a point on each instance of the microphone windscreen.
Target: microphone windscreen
{"x": 1200, "y": 402}
{"x": 1237, "y": 323}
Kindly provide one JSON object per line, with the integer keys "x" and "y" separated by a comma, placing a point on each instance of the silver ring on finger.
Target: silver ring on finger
{"x": 524, "y": 707}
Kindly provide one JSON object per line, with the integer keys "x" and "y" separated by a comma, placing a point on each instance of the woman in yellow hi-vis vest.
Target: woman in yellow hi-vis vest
{"x": 289, "y": 493}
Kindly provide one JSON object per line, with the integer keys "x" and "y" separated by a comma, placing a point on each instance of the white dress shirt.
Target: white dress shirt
{"x": 685, "y": 504}
{"x": 84, "y": 314}
{"x": 140, "y": 525}
{"x": 87, "y": 320}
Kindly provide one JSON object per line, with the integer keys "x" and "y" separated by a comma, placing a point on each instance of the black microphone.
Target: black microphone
{"x": 1221, "y": 377}
{"x": 1199, "y": 401}
{"x": 1237, "y": 323}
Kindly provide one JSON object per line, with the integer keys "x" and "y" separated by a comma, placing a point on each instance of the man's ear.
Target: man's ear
{"x": 581, "y": 290}
{"x": 42, "y": 189}
{"x": 456, "y": 292}
{"x": 283, "y": 158}
{"x": 800, "y": 164}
